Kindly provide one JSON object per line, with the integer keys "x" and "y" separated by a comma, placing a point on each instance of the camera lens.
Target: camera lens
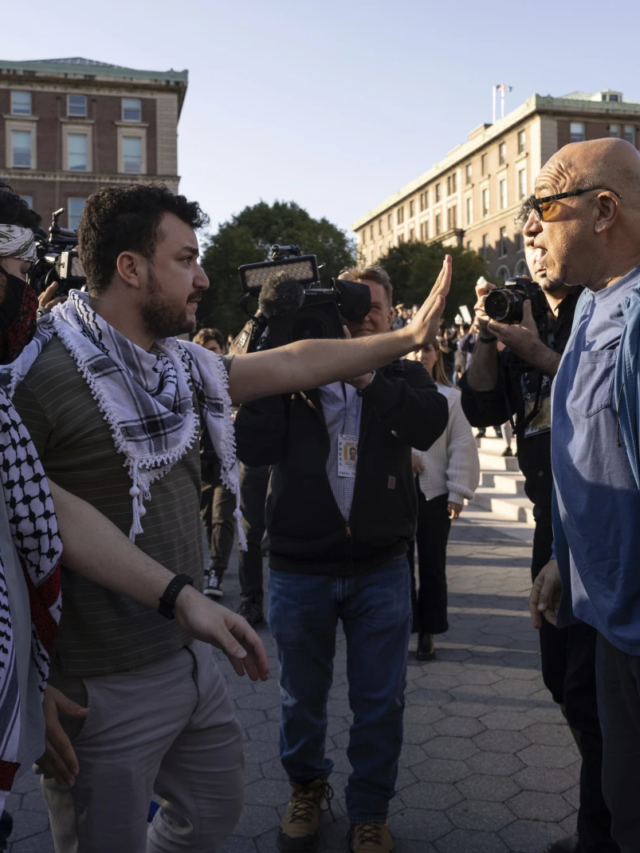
{"x": 504, "y": 305}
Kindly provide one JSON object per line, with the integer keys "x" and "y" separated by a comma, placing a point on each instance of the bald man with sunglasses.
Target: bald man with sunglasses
{"x": 585, "y": 224}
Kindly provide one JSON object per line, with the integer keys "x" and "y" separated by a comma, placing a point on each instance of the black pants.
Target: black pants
{"x": 253, "y": 495}
{"x": 618, "y": 680}
{"x": 553, "y": 643}
{"x": 217, "y": 504}
{"x": 430, "y": 603}
{"x": 581, "y": 709}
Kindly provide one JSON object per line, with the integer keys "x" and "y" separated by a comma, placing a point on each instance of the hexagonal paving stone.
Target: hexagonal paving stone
{"x": 497, "y": 789}
{"x": 501, "y": 741}
{"x": 551, "y": 757}
{"x": 256, "y": 820}
{"x": 514, "y": 721}
{"x": 527, "y": 836}
{"x": 430, "y": 795}
{"x": 450, "y": 747}
{"x": 550, "y": 735}
{"x": 480, "y": 815}
{"x": 421, "y": 696}
{"x": 494, "y": 763}
{"x": 459, "y": 726}
{"x": 533, "y": 805}
{"x": 418, "y": 733}
{"x": 540, "y": 779}
{"x": 471, "y": 841}
{"x": 419, "y": 824}
{"x": 266, "y": 792}
{"x": 441, "y": 770}
{"x": 516, "y": 688}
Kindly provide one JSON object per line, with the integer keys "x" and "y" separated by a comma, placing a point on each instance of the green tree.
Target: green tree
{"x": 246, "y": 238}
{"x": 414, "y": 267}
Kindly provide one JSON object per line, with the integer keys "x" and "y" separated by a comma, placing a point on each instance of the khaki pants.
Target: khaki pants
{"x": 166, "y": 728}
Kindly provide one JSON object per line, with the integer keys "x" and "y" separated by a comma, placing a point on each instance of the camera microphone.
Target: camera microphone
{"x": 281, "y": 296}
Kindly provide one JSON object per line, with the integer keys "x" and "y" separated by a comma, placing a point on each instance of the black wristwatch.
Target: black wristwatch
{"x": 169, "y": 596}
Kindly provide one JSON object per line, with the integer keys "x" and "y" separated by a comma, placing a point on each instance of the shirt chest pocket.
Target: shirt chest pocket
{"x": 593, "y": 384}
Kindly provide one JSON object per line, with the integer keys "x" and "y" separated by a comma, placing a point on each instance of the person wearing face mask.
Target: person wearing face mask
{"x": 446, "y": 475}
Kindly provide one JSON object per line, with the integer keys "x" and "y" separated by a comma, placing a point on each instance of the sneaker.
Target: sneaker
{"x": 213, "y": 585}
{"x": 370, "y": 838}
{"x": 299, "y": 827}
{"x": 507, "y": 452}
{"x": 481, "y": 433}
{"x": 426, "y": 650}
{"x": 252, "y": 611}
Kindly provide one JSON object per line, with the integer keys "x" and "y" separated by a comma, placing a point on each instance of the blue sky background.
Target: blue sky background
{"x": 336, "y": 105}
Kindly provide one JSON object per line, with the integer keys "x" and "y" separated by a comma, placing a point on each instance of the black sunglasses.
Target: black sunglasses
{"x": 544, "y": 207}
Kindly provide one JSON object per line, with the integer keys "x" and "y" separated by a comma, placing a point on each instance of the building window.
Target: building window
{"x": 28, "y": 199}
{"x": 389, "y": 222}
{"x": 483, "y": 164}
{"x": 400, "y": 215}
{"x": 379, "y": 227}
{"x": 437, "y": 193}
{"x": 503, "y": 242}
{"x": 614, "y": 130}
{"x": 77, "y": 150}
{"x": 421, "y": 202}
{"x": 21, "y": 103}
{"x": 131, "y": 109}
{"x": 503, "y": 194}
{"x": 75, "y": 208}
{"x": 426, "y": 199}
{"x": 503, "y": 273}
{"x": 426, "y": 230}
{"x": 452, "y": 184}
{"x": 630, "y": 133}
{"x": 132, "y": 155}
{"x": 452, "y": 217}
{"x": 422, "y": 230}
{"x": 468, "y": 173}
{"x": 412, "y": 208}
{"x": 519, "y": 242}
{"x": 469, "y": 210}
{"x": 502, "y": 153}
{"x": 522, "y": 184}
{"x": 438, "y": 224}
{"x": 412, "y": 235}
{"x": 485, "y": 202}
{"x": 400, "y": 239}
{"x": 364, "y": 236}
{"x": 522, "y": 138}
{"x": 469, "y": 245}
{"x": 21, "y": 149}
{"x": 576, "y": 131}
{"x": 77, "y": 106}
{"x": 485, "y": 245}
{"x": 522, "y": 268}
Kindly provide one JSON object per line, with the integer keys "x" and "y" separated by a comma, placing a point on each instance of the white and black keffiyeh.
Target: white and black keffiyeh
{"x": 17, "y": 242}
{"x": 34, "y": 530}
{"x": 145, "y": 397}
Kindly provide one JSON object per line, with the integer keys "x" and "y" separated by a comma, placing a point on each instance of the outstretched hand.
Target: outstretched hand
{"x": 212, "y": 623}
{"x": 423, "y": 329}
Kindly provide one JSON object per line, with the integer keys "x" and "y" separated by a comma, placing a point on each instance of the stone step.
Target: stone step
{"x": 505, "y": 505}
{"x": 493, "y": 461}
{"x": 508, "y": 483}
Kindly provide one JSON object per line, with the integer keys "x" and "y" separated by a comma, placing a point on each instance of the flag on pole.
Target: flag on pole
{"x": 502, "y": 87}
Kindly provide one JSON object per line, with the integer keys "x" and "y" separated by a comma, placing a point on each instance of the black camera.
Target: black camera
{"x": 504, "y": 304}
{"x": 292, "y": 303}
{"x": 58, "y": 259}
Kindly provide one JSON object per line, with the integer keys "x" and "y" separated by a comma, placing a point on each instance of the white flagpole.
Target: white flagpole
{"x": 494, "y": 103}
{"x": 502, "y": 104}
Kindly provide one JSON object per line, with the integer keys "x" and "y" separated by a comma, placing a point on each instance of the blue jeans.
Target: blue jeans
{"x": 375, "y": 609}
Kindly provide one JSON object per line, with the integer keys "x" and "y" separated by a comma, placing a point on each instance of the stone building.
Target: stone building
{"x": 70, "y": 126}
{"x": 470, "y": 197}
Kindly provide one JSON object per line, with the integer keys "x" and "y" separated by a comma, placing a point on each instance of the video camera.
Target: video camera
{"x": 58, "y": 259}
{"x": 292, "y": 304}
{"x": 505, "y": 304}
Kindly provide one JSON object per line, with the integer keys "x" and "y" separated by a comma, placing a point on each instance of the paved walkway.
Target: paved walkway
{"x": 488, "y": 765}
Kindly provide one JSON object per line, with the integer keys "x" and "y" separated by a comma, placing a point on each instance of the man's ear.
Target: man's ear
{"x": 129, "y": 266}
{"x": 607, "y": 209}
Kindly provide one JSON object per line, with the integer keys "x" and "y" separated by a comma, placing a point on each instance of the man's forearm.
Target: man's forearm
{"x": 310, "y": 364}
{"x": 483, "y": 371}
{"x": 545, "y": 359}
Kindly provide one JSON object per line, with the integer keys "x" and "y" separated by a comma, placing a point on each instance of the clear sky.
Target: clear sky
{"x": 335, "y": 104}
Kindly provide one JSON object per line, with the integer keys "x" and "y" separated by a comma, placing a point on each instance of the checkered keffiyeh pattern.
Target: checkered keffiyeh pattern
{"x": 145, "y": 397}
{"x": 34, "y": 531}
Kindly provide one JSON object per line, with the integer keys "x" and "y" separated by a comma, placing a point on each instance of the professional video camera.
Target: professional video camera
{"x": 292, "y": 303}
{"x": 58, "y": 259}
{"x": 504, "y": 304}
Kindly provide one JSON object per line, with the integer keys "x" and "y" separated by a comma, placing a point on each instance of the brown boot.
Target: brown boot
{"x": 370, "y": 838}
{"x": 299, "y": 827}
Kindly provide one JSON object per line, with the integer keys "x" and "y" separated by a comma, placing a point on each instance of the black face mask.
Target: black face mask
{"x": 18, "y": 316}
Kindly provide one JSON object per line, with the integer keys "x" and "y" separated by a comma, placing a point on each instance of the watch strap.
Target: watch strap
{"x": 169, "y": 596}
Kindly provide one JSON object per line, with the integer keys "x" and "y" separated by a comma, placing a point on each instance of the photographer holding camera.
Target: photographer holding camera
{"x": 515, "y": 384}
{"x": 340, "y": 513}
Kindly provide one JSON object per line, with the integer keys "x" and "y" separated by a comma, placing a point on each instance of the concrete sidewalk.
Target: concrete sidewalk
{"x": 488, "y": 763}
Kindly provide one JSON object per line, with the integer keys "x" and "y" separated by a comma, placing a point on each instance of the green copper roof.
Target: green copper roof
{"x": 77, "y": 65}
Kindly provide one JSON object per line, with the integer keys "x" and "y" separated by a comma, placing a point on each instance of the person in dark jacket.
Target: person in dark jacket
{"x": 337, "y": 535}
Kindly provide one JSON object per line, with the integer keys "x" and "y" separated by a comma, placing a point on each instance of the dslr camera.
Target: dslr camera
{"x": 58, "y": 259}
{"x": 292, "y": 303}
{"x": 505, "y": 304}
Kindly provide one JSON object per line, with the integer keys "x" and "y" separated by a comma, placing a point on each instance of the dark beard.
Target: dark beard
{"x": 159, "y": 320}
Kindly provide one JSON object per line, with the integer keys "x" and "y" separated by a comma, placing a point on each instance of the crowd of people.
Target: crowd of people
{"x": 119, "y": 439}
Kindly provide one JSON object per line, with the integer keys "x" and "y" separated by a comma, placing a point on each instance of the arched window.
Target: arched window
{"x": 522, "y": 268}
{"x": 503, "y": 273}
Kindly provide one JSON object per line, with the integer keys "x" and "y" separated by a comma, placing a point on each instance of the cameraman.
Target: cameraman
{"x": 516, "y": 384}
{"x": 337, "y": 535}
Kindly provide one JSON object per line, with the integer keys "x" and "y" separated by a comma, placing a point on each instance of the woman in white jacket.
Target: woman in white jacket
{"x": 446, "y": 474}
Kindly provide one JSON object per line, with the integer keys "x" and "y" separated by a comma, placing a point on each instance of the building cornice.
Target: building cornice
{"x": 103, "y": 178}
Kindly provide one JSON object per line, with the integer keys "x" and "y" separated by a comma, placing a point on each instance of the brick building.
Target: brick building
{"x": 70, "y": 126}
{"x": 471, "y": 196}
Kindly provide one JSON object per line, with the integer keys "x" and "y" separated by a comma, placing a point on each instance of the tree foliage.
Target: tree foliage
{"x": 414, "y": 267}
{"x": 246, "y": 238}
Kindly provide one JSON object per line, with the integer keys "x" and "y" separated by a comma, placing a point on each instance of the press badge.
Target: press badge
{"x": 347, "y": 455}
